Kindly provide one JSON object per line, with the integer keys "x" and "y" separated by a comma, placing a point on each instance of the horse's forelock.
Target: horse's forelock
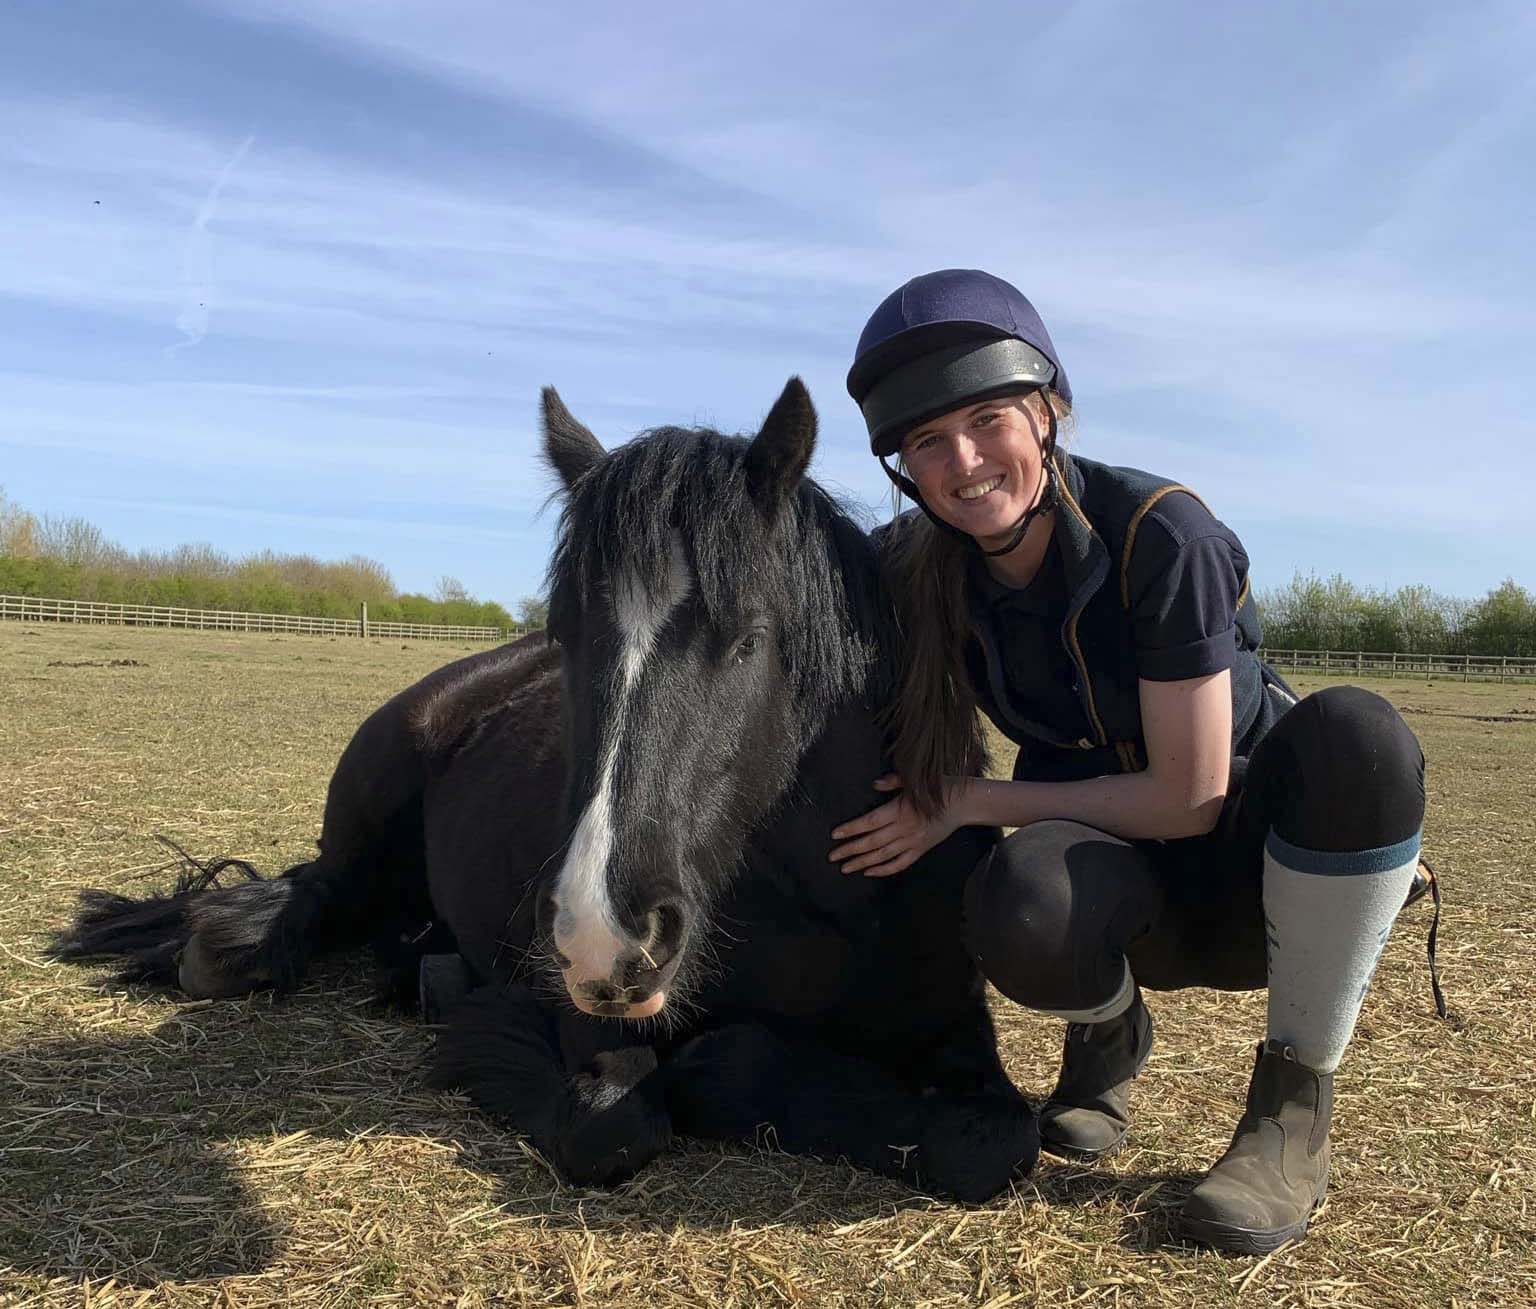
{"x": 812, "y": 565}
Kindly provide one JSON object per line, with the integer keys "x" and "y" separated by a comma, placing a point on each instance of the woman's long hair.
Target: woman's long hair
{"x": 933, "y": 722}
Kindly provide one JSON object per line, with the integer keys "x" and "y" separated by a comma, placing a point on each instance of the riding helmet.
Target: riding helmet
{"x": 942, "y": 339}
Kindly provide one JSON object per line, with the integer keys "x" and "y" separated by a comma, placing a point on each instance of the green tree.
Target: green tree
{"x": 1503, "y": 622}
{"x": 71, "y": 559}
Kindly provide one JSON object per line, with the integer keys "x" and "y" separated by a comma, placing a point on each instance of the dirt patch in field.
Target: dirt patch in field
{"x": 1435, "y": 711}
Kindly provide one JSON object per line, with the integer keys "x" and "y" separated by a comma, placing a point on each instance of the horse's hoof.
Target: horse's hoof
{"x": 974, "y": 1146}
{"x": 616, "y": 1128}
{"x": 199, "y": 975}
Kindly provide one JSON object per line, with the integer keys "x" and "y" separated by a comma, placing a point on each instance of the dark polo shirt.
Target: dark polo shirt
{"x": 1026, "y": 625}
{"x": 1184, "y": 582}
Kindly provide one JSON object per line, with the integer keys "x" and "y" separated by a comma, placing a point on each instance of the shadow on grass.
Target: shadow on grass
{"x": 114, "y": 1166}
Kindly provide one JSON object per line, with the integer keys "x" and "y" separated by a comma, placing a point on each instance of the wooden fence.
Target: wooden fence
{"x": 30, "y": 608}
{"x": 1375, "y": 663}
{"x": 1342, "y": 663}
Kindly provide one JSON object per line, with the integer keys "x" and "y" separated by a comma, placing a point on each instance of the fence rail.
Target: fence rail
{"x": 31, "y": 608}
{"x": 1377, "y": 663}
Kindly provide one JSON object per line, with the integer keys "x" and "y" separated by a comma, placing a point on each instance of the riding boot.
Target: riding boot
{"x": 1088, "y": 1114}
{"x": 1263, "y": 1191}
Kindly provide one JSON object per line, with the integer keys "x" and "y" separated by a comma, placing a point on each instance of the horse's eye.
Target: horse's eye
{"x": 746, "y": 647}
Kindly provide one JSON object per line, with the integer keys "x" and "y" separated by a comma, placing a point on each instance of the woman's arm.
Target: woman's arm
{"x": 1187, "y": 727}
{"x": 1188, "y": 730}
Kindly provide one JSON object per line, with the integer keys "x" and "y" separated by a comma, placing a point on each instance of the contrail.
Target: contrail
{"x": 197, "y": 260}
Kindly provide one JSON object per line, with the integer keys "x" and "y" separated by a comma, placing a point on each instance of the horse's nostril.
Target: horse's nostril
{"x": 651, "y": 936}
{"x": 658, "y": 940}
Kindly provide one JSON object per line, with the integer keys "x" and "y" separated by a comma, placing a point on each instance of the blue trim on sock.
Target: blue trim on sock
{"x": 1343, "y": 863}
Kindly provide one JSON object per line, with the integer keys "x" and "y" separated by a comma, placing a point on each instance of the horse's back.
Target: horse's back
{"x": 374, "y": 805}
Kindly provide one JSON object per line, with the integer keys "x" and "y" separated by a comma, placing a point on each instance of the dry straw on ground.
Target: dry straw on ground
{"x": 159, "y": 1152}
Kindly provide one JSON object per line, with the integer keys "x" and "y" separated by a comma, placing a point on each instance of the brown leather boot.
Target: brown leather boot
{"x": 1262, "y": 1192}
{"x": 1088, "y": 1114}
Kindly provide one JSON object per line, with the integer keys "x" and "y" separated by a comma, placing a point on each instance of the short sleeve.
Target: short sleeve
{"x": 1185, "y": 578}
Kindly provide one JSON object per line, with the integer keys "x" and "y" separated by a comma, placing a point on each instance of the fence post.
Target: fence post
{"x": 363, "y": 622}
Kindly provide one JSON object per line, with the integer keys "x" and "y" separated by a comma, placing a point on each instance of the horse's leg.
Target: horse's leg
{"x": 965, "y": 1061}
{"x": 597, "y": 1124}
{"x": 740, "y": 1081}
{"x": 975, "y": 1101}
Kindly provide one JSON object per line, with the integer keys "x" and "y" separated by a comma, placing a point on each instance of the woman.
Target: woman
{"x": 1173, "y": 798}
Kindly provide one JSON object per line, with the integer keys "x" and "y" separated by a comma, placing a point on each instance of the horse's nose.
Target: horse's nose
{"x": 619, "y": 964}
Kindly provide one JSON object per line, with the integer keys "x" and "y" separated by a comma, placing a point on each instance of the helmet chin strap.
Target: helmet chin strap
{"x": 1046, "y": 501}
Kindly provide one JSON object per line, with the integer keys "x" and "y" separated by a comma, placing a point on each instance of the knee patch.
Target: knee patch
{"x": 1013, "y": 930}
{"x": 1343, "y": 772}
{"x": 1045, "y": 916}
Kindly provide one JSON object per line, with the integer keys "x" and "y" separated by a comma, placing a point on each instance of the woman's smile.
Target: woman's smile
{"x": 976, "y": 490}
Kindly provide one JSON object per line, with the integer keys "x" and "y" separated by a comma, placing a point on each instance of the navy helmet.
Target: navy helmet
{"x": 942, "y": 339}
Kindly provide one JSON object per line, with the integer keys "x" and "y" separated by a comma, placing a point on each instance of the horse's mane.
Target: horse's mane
{"x": 816, "y": 564}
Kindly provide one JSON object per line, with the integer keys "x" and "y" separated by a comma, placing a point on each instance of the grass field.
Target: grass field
{"x": 155, "y": 1151}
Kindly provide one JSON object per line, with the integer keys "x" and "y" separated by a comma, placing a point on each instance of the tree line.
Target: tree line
{"x": 1314, "y": 613}
{"x": 72, "y": 559}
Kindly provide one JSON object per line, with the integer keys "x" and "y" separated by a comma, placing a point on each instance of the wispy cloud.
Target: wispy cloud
{"x": 197, "y": 260}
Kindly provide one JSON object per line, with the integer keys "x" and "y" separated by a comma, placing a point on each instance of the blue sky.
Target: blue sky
{"x": 290, "y": 275}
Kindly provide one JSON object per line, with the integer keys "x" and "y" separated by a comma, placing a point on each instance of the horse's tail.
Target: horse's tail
{"x": 209, "y": 939}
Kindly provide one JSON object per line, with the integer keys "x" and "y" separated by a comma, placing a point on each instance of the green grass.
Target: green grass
{"x": 159, "y": 1151}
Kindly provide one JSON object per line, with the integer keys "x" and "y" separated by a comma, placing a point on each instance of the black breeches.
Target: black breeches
{"x": 1056, "y": 910}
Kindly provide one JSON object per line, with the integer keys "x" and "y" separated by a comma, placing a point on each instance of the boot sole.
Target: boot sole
{"x": 1246, "y": 1240}
{"x": 1077, "y": 1154}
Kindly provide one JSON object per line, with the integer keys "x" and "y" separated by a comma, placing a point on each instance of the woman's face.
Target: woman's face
{"x": 978, "y": 467}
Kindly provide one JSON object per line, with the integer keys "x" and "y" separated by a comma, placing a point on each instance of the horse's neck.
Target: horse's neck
{"x": 834, "y": 782}
{"x": 839, "y": 767}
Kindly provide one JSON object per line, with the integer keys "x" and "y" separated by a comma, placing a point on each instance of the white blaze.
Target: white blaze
{"x": 586, "y": 930}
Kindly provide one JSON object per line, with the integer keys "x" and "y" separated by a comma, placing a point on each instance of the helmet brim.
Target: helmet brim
{"x": 944, "y": 378}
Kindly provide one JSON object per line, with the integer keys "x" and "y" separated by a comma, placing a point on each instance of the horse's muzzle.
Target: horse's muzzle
{"x": 616, "y": 973}
{"x": 603, "y": 1000}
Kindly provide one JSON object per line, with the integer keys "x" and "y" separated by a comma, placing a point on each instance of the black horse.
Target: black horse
{"x": 621, "y": 829}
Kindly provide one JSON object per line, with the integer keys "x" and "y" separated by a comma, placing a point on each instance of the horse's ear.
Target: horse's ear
{"x": 780, "y": 452}
{"x": 570, "y": 448}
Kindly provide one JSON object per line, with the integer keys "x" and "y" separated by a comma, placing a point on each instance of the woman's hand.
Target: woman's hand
{"x": 888, "y": 839}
